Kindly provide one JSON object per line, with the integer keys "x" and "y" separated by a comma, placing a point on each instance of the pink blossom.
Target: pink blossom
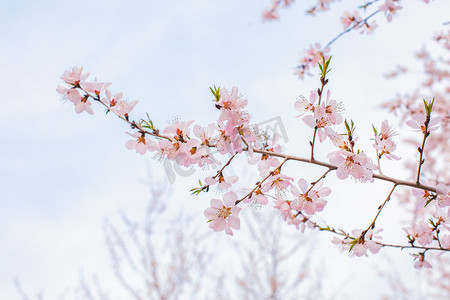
{"x": 303, "y": 105}
{"x": 179, "y": 130}
{"x": 140, "y": 143}
{"x": 287, "y": 215}
{"x": 315, "y": 53}
{"x": 442, "y": 217}
{"x": 390, "y": 8}
{"x": 421, "y": 262}
{"x": 257, "y": 197}
{"x": 231, "y": 101}
{"x": 445, "y": 241}
{"x": 277, "y": 181}
{"x": 310, "y": 201}
{"x": 443, "y": 195}
{"x": 368, "y": 28}
{"x": 386, "y": 132}
{"x": 204, "y": 134}
{"x": 111, "y": 100}
{"x": 84, "y": 105}
{"x": 339, "y": 140}
{"x": 223, "y": 214}
{"x": 74, "y": 76}
{"x": 324, "y": 115}
{"x": 421, "y": 232}
{"x": 225, "y": 182}
{"x": 349, "y": 18}
{"x": 423, "y": 196}
{"x": 359, "y": 166}
{"x": 73, "y": 95}
{"x": 94, "y": 87}
{"x": 266, "y": 161}
{"x": 418, "y": 123}
{"x": 386, "y": 147}
{"x": 123, "y": 108}
{"x": 168, "y": 149}
{"x": 365, "y": 243}
{"x": 269, "y": 15}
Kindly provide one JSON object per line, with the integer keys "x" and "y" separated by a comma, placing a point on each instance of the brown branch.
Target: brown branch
{"x": 332, "y": 167}
{"x": 342, "y": 233}
{"x": 285, "y": 156}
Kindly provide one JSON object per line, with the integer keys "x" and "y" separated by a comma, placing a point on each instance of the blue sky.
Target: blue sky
{"x": 62, "y": 173}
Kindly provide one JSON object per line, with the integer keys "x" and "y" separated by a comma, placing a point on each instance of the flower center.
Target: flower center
{"x": 224, "y": 212}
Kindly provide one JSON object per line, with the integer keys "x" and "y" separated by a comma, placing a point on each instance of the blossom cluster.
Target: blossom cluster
{"x": 271, "y": 13}
{"x": 360, "y": 242}
{"x": 232, "y": 134}
{"x": 384, "y": 144}
{"x": 351, "y": 20}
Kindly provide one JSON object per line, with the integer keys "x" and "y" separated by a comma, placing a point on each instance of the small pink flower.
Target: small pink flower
{"x": 72, "y": 94}
{"x": 421, "y": 232}
{"x": 287, "y": 215}
{"x": 231, "y": 101}
{"x": 74, "y": 76}
{"x": 95, "y": 87}
{"x": 123, "y": 108}
{"x": 386, "y": 147}
{"x": 277, "y": 181}
{"x": 368, "y": 28}
{"x": 223, "y": 215}
{"x": 225, "y": 182}
{"x": 309, "y": 202}
{"x": 422, "y": 195}
{"x": 84, "y": 105}
{"x": 445, "y": 241}
{"x": 363, "y": 244}
{"x": 359, "y": 166}
{"x": 303, "y": 105}
{"x": 349, "y": 18}
{"x": 315, "y": 53}
{"x": 443, "y": 195}
{"x": 390, "y": 8}
{"x": 140, "y": 143}
{"x": 257, "y": 197}
{"x": 269, "y": 15}
{"x": 384, "y": 143}
{"x": 420, "y": 261}
{"x": 179, "y": 130}
{"x": 418, "y": 123}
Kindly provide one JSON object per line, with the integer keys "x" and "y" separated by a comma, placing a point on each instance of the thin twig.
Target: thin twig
{"x": 426, "y": 133}
{"x": 380, "y": 208}
{"x": 262, "y": 181}
{"x": 351, "y": 28}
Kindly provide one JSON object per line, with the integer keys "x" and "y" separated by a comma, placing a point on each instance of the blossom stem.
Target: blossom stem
{"x": 378, "y": 160}
{"x": 323, "y": 81}
{"x": 380, "y": 208}
{"x": 426, "y": 133}
{"x": 132, "y": 123}
{"x": 332, "y": 167}
{"x": 317, "y": 181}
{"x": 342, "y": 233}
{"x": 351, "y": 28}
{"x": 223, "y": 168}
{"x": 285, "y": 156}
{"x": 262, "y": 181}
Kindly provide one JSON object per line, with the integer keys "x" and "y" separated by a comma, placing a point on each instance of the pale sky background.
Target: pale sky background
{"x": 63, "y": 173}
